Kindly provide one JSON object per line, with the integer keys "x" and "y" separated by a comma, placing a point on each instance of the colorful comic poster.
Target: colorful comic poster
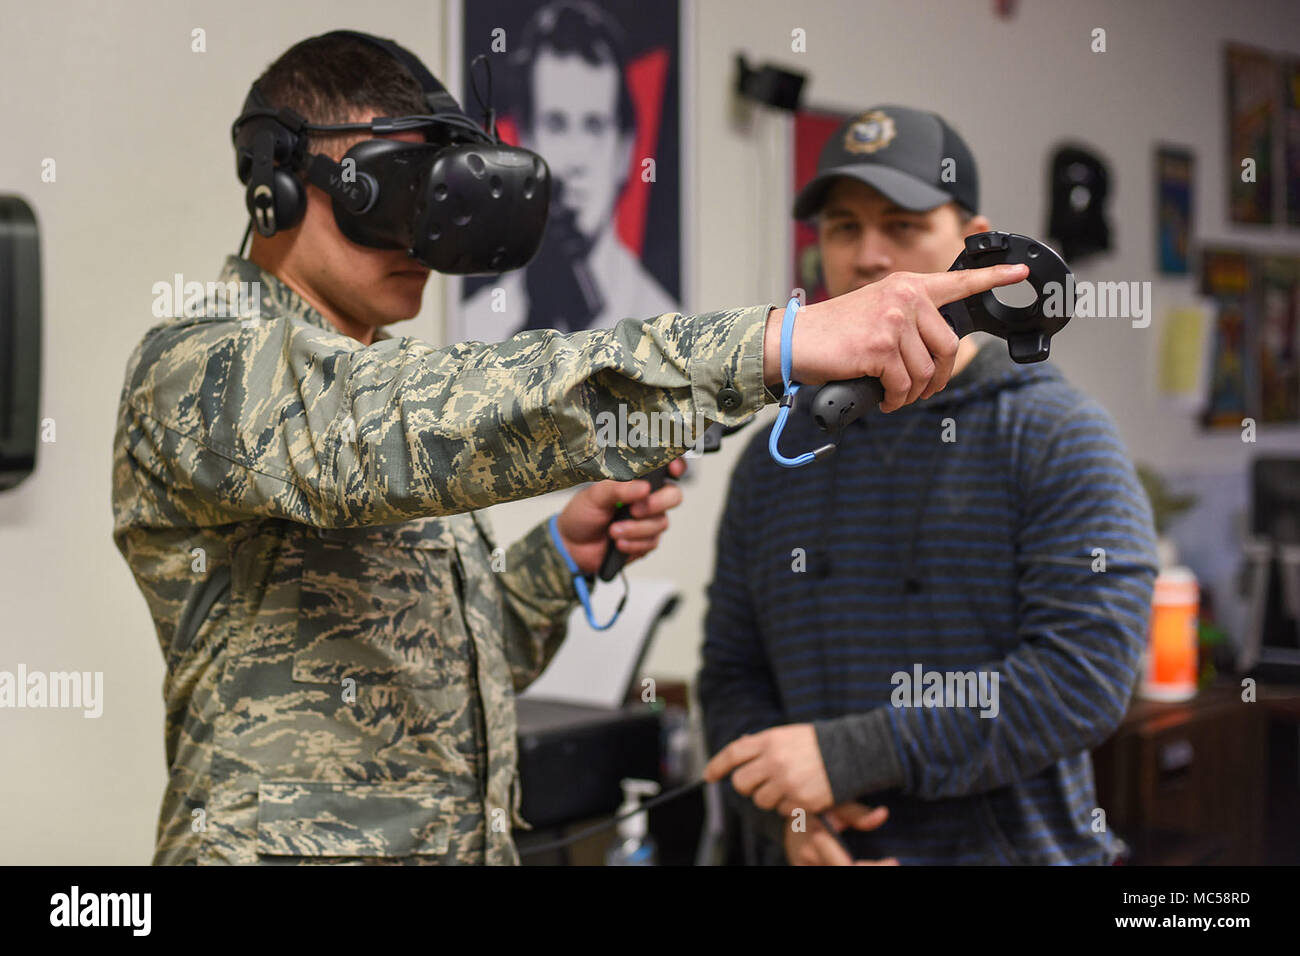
{"x": 1279, "y": 340}
{"x": 1174, "y": 208}
{"x": 1291, "y": 139}
{"x": 1252, "y": 105}
{"x": 1233, "y": 383}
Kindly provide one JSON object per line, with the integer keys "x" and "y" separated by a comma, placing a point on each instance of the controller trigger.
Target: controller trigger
{"x": 1033, "y": 347}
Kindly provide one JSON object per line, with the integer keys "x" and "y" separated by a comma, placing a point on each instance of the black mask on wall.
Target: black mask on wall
{"x": 1080, "y": 183}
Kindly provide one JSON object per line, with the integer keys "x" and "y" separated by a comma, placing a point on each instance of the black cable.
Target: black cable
{"x": 248, "y": 231}
{"x": 489, "y": 114}
{"x": 401, "y": 123}
{"x": 391, "y": 124}
{"x": 613, "y": 821}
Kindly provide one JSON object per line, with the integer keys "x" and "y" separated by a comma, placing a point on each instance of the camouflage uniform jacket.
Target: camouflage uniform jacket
{"x": 342, "y": 640}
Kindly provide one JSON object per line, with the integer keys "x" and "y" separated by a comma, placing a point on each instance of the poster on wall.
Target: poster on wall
{"x": 1279, "y": 339}
{"x": 1233, "y": 383}
{"x": 1174, "y": 208}
{"x": 596, "y": 91}
{"x": 812, "y": 129}
{"x": 1252, "y": 105}
{"x": 1291, "y": 139}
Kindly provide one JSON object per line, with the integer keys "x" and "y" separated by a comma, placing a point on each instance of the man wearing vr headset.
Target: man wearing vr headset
{"x": 993, "y": 531}
{"x": 296, "y": 491}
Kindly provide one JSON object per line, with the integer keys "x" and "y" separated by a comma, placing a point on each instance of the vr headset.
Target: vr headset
{"x": 462, "y": 202}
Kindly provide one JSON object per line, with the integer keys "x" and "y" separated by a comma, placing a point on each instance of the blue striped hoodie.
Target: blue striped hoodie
{"x": 997, "y": 528}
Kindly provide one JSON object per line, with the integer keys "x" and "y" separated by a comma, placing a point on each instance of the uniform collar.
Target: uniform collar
{"x": 278, "y": 298}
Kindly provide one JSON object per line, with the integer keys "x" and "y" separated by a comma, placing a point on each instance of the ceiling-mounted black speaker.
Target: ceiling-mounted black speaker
{"x": 20, "y": 340}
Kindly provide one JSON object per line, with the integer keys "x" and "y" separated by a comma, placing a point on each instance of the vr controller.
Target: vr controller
{"x": 1027, "y": 329}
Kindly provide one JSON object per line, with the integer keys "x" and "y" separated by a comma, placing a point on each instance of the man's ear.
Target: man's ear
{"x": 976, "y": 224}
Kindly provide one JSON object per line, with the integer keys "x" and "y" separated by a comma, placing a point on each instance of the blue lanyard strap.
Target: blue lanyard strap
{"x": 787, "y": 399}
{"x": 580, "y": 582}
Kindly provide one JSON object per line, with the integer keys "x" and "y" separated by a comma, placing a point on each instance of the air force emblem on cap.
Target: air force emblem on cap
{"x": 870, "y": 132}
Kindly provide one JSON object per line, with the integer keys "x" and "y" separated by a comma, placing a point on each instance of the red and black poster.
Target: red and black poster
{"x": 812, "y": 129}
{"x": 596, "y": 91}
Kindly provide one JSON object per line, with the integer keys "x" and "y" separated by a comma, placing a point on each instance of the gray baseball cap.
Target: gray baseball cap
{"x": 912, "y": 157}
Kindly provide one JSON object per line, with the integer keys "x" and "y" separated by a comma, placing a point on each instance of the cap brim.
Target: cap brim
{"x": 898, "y": 187}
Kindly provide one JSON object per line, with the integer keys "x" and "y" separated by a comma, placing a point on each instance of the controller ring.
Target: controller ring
{"x": 1027, "y": 329}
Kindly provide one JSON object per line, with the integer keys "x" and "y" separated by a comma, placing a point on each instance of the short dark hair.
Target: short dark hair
{"x": 568, "y": 27}
{"x": 329, "y": 79}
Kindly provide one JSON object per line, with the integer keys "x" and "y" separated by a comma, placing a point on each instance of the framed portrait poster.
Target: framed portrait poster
{"x": 596, "y": 91}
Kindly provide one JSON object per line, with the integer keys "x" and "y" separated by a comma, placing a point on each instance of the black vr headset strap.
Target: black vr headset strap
{"x": 435, "y": 94}
{"x": 256, "y": 107}
{"x": 261, "y": 182}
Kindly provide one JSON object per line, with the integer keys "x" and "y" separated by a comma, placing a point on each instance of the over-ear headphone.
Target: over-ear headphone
{"x": 271, "y": 144}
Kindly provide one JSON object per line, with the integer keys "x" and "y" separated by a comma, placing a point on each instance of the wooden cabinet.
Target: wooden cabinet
{"x": 1185, "y": 783}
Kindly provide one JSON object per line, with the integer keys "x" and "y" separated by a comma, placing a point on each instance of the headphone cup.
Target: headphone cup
{"x": 276, "y": 207}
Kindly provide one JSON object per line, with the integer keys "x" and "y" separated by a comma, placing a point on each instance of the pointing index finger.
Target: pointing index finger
{"x": 945, "y": 287}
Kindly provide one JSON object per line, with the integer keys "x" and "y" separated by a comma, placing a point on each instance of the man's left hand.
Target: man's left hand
{"x": 584, "y": 523}
{"x": 780, "y": 769}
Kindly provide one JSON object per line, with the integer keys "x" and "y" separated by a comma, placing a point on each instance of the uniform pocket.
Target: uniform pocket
{"x": 314, "y": 819}
{"x": 375, "y": 605}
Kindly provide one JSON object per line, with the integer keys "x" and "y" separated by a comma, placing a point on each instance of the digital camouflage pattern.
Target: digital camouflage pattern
{"x": 299, "y": 512}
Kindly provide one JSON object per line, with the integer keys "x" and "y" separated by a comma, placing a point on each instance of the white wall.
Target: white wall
{"x": 139, "y": 127}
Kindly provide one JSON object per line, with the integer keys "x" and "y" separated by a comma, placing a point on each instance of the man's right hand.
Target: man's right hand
{"x": 818, "y": 847}
{"x": 890, "y": 330}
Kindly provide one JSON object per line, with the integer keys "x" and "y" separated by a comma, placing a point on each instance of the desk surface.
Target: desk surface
{"x": 1279, "y": 700}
